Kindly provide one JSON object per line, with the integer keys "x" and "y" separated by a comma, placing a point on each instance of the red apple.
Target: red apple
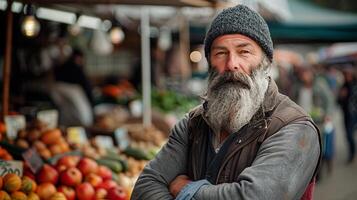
{"x": 104, "y": 172}
{"x": 93, "y": 179}
{"x": 87, "y": 166}
{"x": 85, "y": 191}
{"x": 71, "y": 177}
{"x": 68, "y": 161}
{"x": 117, "y": 193}
{"x": 47, "y": 174}
{"x": 107, "y": 184}
{"x": 100, "y": 193}
{"x": 67, "y": 191}
{"x": 45, "y": 190}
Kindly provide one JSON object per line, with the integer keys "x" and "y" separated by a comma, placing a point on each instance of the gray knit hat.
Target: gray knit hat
{"x": 242, "y": 20}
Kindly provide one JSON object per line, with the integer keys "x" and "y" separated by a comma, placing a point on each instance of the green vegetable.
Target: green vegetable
{"x": 115, "y": 166}
{"x": 136, "y": 153}
{"x": 117, "y": 158}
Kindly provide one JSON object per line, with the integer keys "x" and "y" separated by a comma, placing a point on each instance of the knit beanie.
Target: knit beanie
{"x": 240, "y": 20}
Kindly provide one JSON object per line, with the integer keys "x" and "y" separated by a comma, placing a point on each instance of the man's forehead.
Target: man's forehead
{"x": 237, "y": 38}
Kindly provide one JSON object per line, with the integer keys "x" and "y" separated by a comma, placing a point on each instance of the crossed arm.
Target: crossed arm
{"x": 282, "y": 169}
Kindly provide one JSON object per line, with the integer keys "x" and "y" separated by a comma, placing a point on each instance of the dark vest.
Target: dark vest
{"x": 278, "y": 111}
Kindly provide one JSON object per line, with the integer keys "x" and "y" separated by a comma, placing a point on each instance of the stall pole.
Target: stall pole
{"x": 7, "y": 60}
{"x": 184, "y": 44}
{"x": 145, "y": 66}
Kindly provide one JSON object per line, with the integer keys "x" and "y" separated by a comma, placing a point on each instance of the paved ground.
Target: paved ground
{"x": 341, "y": 184}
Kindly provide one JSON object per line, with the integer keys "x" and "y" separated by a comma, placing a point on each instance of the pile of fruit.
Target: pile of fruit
{"x": 77, "y": 171}
{"x": 78, "y": 178}
{"x": 72, "y": 178}
{"x": 14, "y": 187}
{"x": 48, "y": 142}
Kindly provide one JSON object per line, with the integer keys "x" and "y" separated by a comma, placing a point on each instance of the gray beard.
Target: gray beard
{"x": 233, "y": 97}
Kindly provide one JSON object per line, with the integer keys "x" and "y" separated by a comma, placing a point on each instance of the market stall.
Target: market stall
{"x": 42, "y": 159}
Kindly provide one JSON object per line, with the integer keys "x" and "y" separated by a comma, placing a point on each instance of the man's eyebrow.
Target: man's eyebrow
{"x": 218, "y": 47}
{"x": 245, "y": 44}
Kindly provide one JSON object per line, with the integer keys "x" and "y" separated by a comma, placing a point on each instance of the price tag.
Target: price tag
{"x": 33, "y": 159}
{"x": 13, "y": 166}
{"x": 104, "y": 141}
{"x": 77, "y": 135}
{"x": 50, "y": 117}
{"x": 122, "y": 138}
{"x": 14, "y": 123}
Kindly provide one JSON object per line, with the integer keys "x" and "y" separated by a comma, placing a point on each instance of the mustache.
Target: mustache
{"x": 236, "y": 78}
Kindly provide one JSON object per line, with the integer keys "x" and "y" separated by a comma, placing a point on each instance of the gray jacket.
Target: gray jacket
{"x": 281, "y": 170}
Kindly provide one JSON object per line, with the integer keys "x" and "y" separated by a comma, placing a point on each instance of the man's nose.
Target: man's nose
{"x": 233, "y": 63}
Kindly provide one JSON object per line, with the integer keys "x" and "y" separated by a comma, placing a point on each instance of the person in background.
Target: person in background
{"x": 313, "y": 94}
{"x": 72, "y": 71}
{"x": 347, "y": 98}
{"x": 40, "y": 88}
{"x": 246, "y": 140}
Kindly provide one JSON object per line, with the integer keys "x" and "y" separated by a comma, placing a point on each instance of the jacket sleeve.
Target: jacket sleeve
{"x": 283, "y": 168}
{"x": 170, "y": 162}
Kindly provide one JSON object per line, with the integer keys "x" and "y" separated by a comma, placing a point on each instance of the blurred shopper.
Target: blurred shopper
{"x": 246, "y": 141}
{"x": 41, "y": 86}
{"x": 313, "y": 94}
{"x": 72, "y": 71}
{"x": 334, "y": 79}
{"x": 348, "y": 100}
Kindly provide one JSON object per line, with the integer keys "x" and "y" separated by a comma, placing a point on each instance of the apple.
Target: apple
{"x": 104, "y": 172}
{"x": 68, "y": 161}
{"x": 107, "y": 184}
{"x": 87, "y": 166}
{"x": 47, "y": 174}
{"x": 71, "y": 177}
{"x": 85, "y": 191}
{"x": 100, "y": 193}
{"x": 117, "y": 193}
{"x": 93, "y": 179}
{"x": 45, "y": 190}
{"x": 67, "y": 191}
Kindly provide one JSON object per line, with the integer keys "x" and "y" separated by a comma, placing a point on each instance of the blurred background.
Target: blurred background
{"x": 138, "y": 65}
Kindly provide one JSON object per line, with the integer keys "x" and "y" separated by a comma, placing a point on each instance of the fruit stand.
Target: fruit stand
{"x": 55, "y": 166}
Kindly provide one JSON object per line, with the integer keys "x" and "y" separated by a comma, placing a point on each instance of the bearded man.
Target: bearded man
{"x": 246, "y": 141}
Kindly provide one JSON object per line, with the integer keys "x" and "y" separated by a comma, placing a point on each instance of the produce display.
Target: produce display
{"x": 171, "y": 101}
{"x": 121, "y": 92}
{"x": 71, "y": 171}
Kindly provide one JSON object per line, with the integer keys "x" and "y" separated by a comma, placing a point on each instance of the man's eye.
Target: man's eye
{"x": 244, "y": 52}
{"x": 220, "y": 53}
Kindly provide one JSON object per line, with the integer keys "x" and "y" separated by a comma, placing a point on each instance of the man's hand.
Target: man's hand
{"x": 178, "y": 183}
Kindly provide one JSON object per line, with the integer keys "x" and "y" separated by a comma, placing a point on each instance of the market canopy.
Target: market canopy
{"x": 308, "y": 22}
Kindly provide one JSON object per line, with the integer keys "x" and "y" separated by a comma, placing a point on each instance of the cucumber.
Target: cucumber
{"x": 115, "y": 166}
{"x": 117, "y": 158}
{"x": 136, "y": 153}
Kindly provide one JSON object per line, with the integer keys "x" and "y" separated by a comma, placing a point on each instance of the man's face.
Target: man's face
{"x": 235, "y": 53}
{"x": 237, "y": 82}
